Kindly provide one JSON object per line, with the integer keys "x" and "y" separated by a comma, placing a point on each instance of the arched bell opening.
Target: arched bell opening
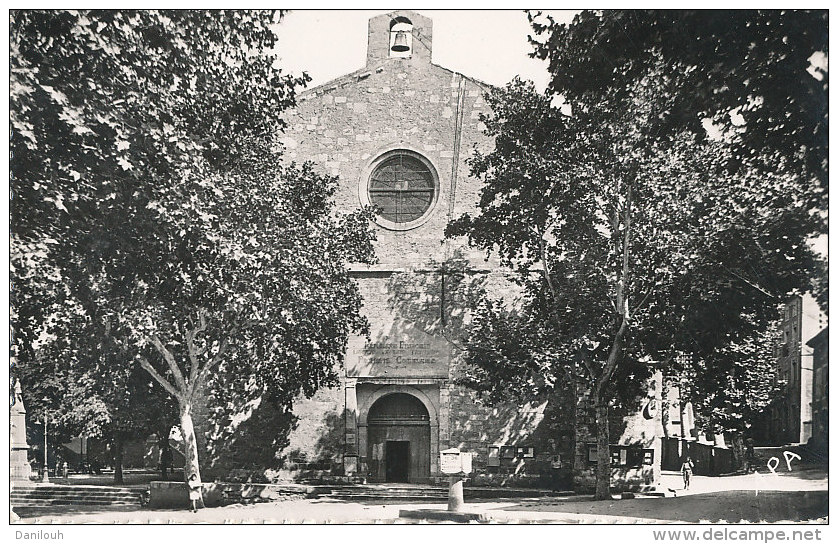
{"x": 401, "y": 37}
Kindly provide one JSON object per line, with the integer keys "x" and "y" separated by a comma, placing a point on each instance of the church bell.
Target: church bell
{"x": 400, "y": 42}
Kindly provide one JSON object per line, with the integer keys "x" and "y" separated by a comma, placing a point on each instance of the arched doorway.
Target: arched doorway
{"x": 398, "y": 439}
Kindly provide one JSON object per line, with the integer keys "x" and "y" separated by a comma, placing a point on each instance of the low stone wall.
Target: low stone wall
{"x": 168, "y": 495}
{"x": 176, "y": 494}
{"x": 557, "y": 479}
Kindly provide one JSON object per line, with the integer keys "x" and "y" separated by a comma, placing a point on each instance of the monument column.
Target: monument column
{"x": 19, "y": 469}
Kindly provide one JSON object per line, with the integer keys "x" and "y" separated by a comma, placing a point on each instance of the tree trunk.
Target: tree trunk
{"x": 190, "y": 446}
{"x": 118, "y": 445}
{"x": 165, "y": 453}
{"x": 739, "y": 455}
{"x": 603, "y": 468}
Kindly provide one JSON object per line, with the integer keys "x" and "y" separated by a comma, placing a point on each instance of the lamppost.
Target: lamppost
{"x": 45, "y": 477}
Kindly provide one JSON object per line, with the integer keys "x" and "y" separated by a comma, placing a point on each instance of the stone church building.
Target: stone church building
{"x": 398, "y": 133}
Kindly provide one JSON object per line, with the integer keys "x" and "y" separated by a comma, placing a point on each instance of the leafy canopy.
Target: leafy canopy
{"x": 758, "y": 76}
{"x": 151, "y": 212}
{"x": 607, "y": 226}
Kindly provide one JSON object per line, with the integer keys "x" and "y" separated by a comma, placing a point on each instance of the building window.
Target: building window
{"x": 404, "y": 187}
{"x": 515, "y": 452}
{"x": 631, "y": 456}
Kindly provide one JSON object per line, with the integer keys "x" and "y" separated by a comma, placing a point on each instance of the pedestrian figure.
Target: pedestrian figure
{"x": 750, "y": 455}
{"x": 194, "y": 491}
{"x": 687, "y": 471}
{"x": 166, "y": 461}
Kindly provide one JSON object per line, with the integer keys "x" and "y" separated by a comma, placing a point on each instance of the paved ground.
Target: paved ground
{"x": 800, "y": 495}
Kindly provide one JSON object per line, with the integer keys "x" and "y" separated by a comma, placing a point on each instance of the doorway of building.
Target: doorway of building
{"x": 397, "y": 461}
{"x": 398, "y": 440}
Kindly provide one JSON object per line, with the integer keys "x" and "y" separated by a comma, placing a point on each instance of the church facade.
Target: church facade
{"x": 398, "y": 133}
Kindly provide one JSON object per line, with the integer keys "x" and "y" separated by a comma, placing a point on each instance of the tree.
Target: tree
{"x": 760, "y": 76}
{"x": 259, "y": 301}
{"x": 105, "y": 108}
{"x": 654, "y": 234}
{"x": 730, "y": 393}
{"x": 148, "y": 184}
{"x": 647, "y": 247}
{"x": 84, "y": 393}
{"x": 758, "y": 79}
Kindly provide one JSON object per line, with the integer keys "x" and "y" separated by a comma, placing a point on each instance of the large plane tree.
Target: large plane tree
{"x": 657, "y": 229}
{"x": 151, "y": 211}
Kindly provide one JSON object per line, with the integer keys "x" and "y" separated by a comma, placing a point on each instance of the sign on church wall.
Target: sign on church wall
{"x": 411, "y": 353}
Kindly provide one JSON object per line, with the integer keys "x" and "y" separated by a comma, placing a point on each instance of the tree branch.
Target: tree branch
{"x": 613, "y": 359}
{"x": 543, "y": 247}
{"x": 589, "y": 365}
{"x": 195, "y": 354}
{"x": 622, "y": 286}
{"x": 642, "y": 302}
{"x": 160, "y": 379}
{"x": 170, "y": 360}
{"x": 748, "y": 282}
{"x": 194, "y": 363}
{"x": 202, "y": 373}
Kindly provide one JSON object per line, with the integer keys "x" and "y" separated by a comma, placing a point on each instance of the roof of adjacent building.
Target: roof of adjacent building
{"x": 821, "y": 338}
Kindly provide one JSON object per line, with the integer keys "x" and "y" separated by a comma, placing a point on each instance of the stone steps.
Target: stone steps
{"x": 369, "y": 492}
{"x": 422, "y": 493}
{"x": 65, "y": 495}
{"x": 361, "y": 496}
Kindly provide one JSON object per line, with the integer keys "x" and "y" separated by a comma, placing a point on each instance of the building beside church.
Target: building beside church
{"x": 788, "y": 419}
{"x": 820, "y": 388}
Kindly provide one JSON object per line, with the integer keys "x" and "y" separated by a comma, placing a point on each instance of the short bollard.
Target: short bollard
{"x": 457, "y": 465}
{"x": 455, "y": 494}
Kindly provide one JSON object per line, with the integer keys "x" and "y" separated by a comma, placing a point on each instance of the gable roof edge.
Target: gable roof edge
{"x": 365, "y": 72}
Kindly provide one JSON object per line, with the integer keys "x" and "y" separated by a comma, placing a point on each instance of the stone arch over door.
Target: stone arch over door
{"x": 427, "y": 402}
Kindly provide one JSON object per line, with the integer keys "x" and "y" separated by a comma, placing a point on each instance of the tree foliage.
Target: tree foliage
{"x": 648, "y": 243}
{"x": 151, "y": 202}
{"x": 760, "y": 76}
{"x": 732, "y": 386}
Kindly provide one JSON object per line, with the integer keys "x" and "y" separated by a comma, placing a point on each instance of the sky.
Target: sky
{"x": 488, "y": 45}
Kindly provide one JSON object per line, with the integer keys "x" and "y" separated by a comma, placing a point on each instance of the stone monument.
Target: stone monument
{"x": 19, "y": 469}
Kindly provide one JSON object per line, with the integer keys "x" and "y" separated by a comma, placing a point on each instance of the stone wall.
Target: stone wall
{"x": 265, "y": 443}
{"x": 528, "y": 444}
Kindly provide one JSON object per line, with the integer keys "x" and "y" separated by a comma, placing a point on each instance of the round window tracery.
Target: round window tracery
{"x": 403, "y": 186}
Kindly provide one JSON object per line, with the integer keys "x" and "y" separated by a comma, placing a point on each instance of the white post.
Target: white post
{"x": 45, "y": 479}
{"x": 455, "y": 493}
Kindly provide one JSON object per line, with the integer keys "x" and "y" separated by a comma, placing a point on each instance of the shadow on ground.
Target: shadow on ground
{"x": 58, "y": 510}
{"x": 730, "y": 506}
